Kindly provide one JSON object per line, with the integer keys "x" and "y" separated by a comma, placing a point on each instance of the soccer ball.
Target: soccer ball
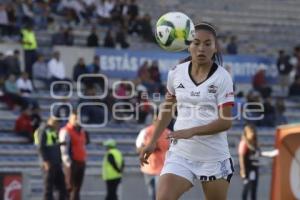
{"x": 174, "y": 31}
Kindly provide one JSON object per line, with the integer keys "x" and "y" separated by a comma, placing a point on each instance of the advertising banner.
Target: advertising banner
{"x": 11, "y": 186}
{"x": 124, "y": 64}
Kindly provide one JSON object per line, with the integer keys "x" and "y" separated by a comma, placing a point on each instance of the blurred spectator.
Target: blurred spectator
{"x": 29, "y": 44}
{"x": 40, "y": 71}
{"x": 64, "y": 37}
{"x": 143, "y": 72}
{"x": 42, "y": 13}
{"x": 93, "y": 39}
{"x": 13, "y": 93}
{"x": 104, "y": 9}
{"x": 4, "y": 23}
{"x": 48, "y": 146}
{"x": 297, "y": 61}
{"x": 79, "y": 69}
{"x": 27, "y": 10}
{"x": 121, "y": 38}
{"x": 249, "y": 153}
{"x": 154, "y": 72}
{"x": 121, "y": 91}
{"x": 259, "y": 83}
{"x": 280, "y": 110}
{"x": 295, "y": 87}
{"x": 36, "y": 118}
{"x": 254, "y": 103}
{"x": 117, "y": 12}
{"x": 109, "y": 40}
{"x": 284, "y": 69}
{"x": 237, "y": 110}
{"x": 223, "y": 40}
{"x": 269, "y": 118}
{"x": 23, "y": 125}
{"x": 132, "y": 11}
{"x": 94, "y": 67}
{"x": 232, "y": 47}
{"x": 24, "y": 85}
{"x": 2, "y": 96}
{"x": 144, "y": 108}
{"x": 90, "y": 7}
{"x": 74, "y": 154}
{"x": 152, "y": 170}
{"x": 112, "y": 168}
{"x": 91, "y": 114}
{"x": 146, "y": 29}
{"x": 56, "y": 69}
{"x": 12, "y": 62}
{"x": 73, "y": 11}
{"x": 3, "y": 68}
{"x": 62, "y": 111}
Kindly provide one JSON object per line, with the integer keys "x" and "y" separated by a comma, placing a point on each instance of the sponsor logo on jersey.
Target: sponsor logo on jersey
{"x": 195, "y": 94}
{"x": 180, "y": 86}
{"x": 229, "y": 94}
{"x": 212, "y": 89}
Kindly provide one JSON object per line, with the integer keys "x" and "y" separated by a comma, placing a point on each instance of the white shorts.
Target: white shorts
{"x": 193, "y": 170}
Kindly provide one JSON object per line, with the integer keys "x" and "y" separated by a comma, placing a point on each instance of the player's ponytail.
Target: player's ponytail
{"x": 217, "y": 57}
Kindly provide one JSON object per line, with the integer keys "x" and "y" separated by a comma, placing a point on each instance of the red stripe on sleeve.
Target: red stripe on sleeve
{"x": 226, "y": 104}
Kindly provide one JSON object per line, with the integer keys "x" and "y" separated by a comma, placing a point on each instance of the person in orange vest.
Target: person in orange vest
{"x": 74, "y": 155}
{"x": 156, "y": 160}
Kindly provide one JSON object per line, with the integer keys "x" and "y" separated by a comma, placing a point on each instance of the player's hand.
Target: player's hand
{"x": 46, "y": 165}
{"x": 182, "y": 134}
{"x": 242, "y": 173}
{"x": 146, "y": 152}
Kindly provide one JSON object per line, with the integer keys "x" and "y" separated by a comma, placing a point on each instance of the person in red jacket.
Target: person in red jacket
{"x": 74, "y": 155}
{"x": 23, "y": 124}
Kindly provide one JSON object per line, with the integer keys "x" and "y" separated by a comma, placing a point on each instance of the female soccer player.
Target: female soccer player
{"x": 202, "y": 91}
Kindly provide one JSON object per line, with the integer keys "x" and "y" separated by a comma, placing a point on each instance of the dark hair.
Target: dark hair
{"x": 217, "y": 57}
{"x": 253, "y": 128}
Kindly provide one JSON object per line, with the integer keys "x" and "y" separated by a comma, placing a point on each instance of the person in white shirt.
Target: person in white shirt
{"x": 202, "y": 92}
{"x": 24, "y": 85}
{"x": 56, "y": 70}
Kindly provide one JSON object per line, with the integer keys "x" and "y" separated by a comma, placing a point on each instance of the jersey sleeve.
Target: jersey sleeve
{"x": 170, "y": 83}
{"x": 225, "y": 95}
{"x": 140, "y": 138}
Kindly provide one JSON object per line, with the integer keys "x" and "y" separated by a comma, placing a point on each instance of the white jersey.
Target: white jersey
{"x": 197, "y": 104}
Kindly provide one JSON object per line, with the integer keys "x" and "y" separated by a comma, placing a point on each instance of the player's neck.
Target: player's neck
{"x": 198, "y": 69}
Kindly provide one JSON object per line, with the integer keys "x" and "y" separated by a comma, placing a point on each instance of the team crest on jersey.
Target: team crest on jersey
{"x": 195, "y": 94}
{"x": 212, "y": 89}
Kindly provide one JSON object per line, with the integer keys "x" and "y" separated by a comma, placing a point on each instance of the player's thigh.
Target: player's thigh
{"x": 171, "y": 186}
{"x": 215, "y": 190}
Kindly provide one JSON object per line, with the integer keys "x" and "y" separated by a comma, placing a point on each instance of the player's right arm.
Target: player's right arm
{"x": 164, "y": 119}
